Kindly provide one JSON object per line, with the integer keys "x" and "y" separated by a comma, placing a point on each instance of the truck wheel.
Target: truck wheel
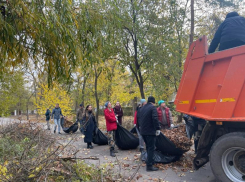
{"x": 227, "y": 157}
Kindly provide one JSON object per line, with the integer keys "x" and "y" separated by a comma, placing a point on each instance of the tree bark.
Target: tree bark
{"x": 142, "y": 90}
{"x": 84, "y": 87}
{"x": 180, "y": 116}
{"x": 192, "y": 22}
{"x": 135, "y": 66}
{"x": 77, "y": 94}
{"x": 18, "y": 110}
{"x": 27, "y": 112}
{"x": 96, "y": 95}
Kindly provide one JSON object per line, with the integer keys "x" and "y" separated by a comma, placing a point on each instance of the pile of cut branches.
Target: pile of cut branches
{"x": 29, "y": 153}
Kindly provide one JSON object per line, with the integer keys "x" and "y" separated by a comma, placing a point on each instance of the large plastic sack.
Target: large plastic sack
{"x": 160, "y": 158}
{"x": 133, "y": 130}
{"x": 125, "y": 140}
{"x": 72, "y": 129}
{"x": 100, "y": 138}
{"x": 164, "y": 145}
{"x": 81, "y": 130}
{"x": 62, "y": 122}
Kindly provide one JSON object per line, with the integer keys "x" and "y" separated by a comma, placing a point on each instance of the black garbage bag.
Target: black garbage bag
{"x": 125, "y": 140}
{"x": 133, "y": 130}
{"x": 160, "y": 158}
{"x": 82, "y": 130}
{"x": 164, "y": 145}
{"x": 62, "y": 122}
{"x": 72, "y": 129}
{"x": 100, "y": 138}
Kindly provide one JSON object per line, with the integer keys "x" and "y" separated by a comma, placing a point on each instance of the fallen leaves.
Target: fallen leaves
{"x": 125, "y": 165}
{"x": 182, "y": 174}
{"x": 125, "y": 158}
{"x": 68, "y": 124}
{"x": 183, "y": 165}
{"x": 134, "y": 167}
{"x": 179, "y": 137}
{"x": 139, "y": 176}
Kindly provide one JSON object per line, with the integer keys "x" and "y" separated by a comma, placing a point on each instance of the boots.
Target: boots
{"x": 115, "y": 150}
{"x": 55, "y": 129}
{"x": 89, "y": 145}
{"x": 112, "y": 152}
{"x": 151, "y": 168}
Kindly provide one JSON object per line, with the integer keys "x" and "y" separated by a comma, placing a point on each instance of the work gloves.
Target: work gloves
{"x": 172, "y": 125}
{"x": 134, "y": 125}
{"x": 158, "y": 132}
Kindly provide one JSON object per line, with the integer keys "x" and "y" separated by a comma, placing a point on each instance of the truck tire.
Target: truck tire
{"x": 227, "y": 157}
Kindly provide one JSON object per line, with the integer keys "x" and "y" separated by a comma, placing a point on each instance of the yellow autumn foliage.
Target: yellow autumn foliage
{"x": 3, "y": 172}
{"x": 47, "y": 98}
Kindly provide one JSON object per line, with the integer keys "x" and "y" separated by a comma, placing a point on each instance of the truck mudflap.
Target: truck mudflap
{"x": 204, "y": 146}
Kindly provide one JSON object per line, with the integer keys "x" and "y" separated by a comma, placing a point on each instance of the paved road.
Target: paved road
{"x": 128, "y": 157}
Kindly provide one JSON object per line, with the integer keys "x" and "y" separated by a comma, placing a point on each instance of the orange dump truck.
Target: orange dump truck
{"x": 212, "y": 87}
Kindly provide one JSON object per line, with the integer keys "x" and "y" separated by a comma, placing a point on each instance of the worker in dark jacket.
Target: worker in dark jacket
{"x": 80, "y": 113}
{"x": 89, "y": 123}
{"x": 149, "y": 128}
{"x": 231, "y": 33}
{"x": 56, "y": 116}
{"x": 48, "y": 114}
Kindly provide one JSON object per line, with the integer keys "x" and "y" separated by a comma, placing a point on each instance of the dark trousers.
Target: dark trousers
{"x": 150, "y": 141}
{"x": 119, "y": 118}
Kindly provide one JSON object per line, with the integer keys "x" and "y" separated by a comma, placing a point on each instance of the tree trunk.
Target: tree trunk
{"x": 192, "y": 22}
{"x": 27, "y": 111}
{"x": 84, "y": 87}
{"x": 18, "y": 110}
{"x": 180, "y": 116}
{"x": 96, "y": 97}
{"x": 77, "y": 94}
{"x": 142, "y": 90}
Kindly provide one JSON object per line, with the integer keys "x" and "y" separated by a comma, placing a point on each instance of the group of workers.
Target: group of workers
{"x": 231, "y": 33}
{"x": 148, "y": 121}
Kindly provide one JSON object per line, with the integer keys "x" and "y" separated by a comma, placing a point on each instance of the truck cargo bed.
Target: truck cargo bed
{"x": 212, "y": 85}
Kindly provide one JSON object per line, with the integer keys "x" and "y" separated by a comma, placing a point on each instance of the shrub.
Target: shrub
{"x": 29, "y": 153}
